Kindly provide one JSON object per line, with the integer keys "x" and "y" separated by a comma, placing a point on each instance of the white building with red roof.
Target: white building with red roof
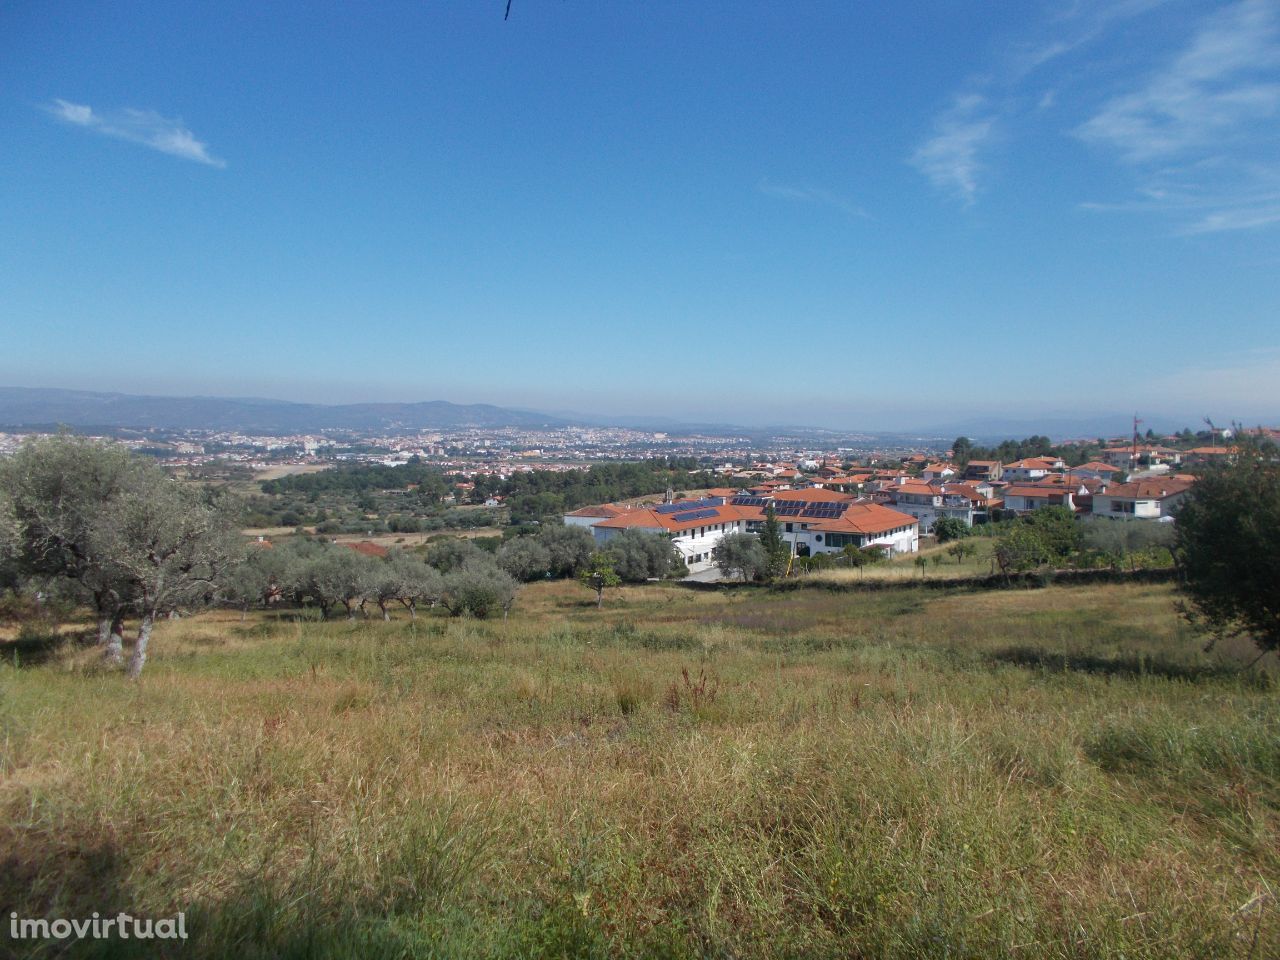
{"x": 1151, "y": 499}
{"x": 929, "y": 502}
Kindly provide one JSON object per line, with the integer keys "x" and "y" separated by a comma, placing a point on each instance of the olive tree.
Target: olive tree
{"x": 525, "y": 558}
{"x": 638, "y": 556}
{"x": 405, "y": 579}
{"x": 597, "y": 574}
{"x": 59, "y": 488}
{"x": 1228, "y": 550}
{"x": 479, "y": 588}
{"x": 740, "y": 554}
{"x": 569, "y": 547}
{"x": 453, "y": 553}
{"x": 9, "y": 541}
{"x": 166, "y": 543}
{"x": 340, "y": 575}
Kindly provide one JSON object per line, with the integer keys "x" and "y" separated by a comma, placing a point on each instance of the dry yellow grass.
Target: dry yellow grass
{"x": 683, "y": 773}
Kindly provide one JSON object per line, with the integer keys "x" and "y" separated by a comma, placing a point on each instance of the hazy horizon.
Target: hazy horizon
{"x": 1059, "y": 424}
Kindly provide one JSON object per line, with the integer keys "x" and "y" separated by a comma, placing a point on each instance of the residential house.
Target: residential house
{"x": 938, "y": 471}
{"x": 1098, "y": 470}
{"x": 1152, "y": 499}
{"x": 1024, "y": 498}
{"x": 983, "y": 470}
{"x": 1032, "y": 469}
{"x": 930, "y": 502}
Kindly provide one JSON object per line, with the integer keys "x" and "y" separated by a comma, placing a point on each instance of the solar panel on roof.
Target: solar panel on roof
{"x": 695, "y": 515}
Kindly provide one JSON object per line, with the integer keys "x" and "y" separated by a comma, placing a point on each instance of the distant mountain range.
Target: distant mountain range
{"x": 46, "y": 408}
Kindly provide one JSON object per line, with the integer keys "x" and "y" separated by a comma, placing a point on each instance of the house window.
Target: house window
{"x": 789, "y": 528}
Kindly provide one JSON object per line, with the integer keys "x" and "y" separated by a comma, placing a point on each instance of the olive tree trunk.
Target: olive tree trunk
{"x": 139, "y": 658}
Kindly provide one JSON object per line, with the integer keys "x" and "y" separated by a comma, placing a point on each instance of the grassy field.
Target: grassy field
{"x": 1052, "y": 773}
{"x": 941, "y": 564}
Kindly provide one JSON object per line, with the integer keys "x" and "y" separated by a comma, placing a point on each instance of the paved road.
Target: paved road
{"x": 707, "y": 576}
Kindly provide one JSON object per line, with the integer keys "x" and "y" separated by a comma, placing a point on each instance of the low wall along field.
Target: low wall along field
{"x": 906, "y": 772}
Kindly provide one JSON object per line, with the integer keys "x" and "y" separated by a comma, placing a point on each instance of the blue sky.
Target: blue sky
{"x": 855, "y": 215}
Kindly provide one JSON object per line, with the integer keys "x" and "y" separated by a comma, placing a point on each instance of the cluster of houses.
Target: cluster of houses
{"x": 823, "y": 508}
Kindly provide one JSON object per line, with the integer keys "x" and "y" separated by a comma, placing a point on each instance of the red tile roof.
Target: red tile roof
{"x": 866, "y": 519}
{"x": 1149, "y": 489}
{"x": 1035, "y": 491}
{"x": 603, "y": 510}
{"x": 643, "y": 518}
{"x": 367, "y": 548}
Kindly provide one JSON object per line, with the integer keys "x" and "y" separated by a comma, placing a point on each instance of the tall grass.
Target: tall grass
{"x": 1056, "y": 773}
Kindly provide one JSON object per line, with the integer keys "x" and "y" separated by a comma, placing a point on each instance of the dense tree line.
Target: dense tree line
{"x": 549, "y": 493}
{"x": 328, "y": 576}
{"x": 964, "y": 450}
{"x": 356, "y": 479}
{"x": 407, "y": 498}
{"x": 1053, "y": 537}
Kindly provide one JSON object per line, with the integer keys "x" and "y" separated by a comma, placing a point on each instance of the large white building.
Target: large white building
{"x": 811, "y": 521}
{"x": 694, "y": 526}
{"x": 815, "y": 521}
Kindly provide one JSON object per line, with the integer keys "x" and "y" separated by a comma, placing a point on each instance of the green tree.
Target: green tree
{"x": 1228, "y": 549}
{"x": 776, "y": 551}
{"x": 59, "y": 489}
{"x": 1021, "y": 548}
{"x": 569, "y": 547}
{"x": 741, "y": 555}
{"x": 479, "y": 588}
{"x": 452, "y": 553}
{"x": 525, "y": 558}
{"x": 10, "y": 540}
{"x": 638, "y": 555}
{"x": 1058, "y": 530}
{"x": 950, "y": 528}
{"x": 598, "y": 574}
{"x": 168, "y": 544}
{"x": 962, "y": 451}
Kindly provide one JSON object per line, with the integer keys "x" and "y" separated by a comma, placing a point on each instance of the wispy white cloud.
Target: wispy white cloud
{"x": 949, "y": 158}
{"x": 1219, "y": 85}
{"x": 811, "y": 195}
{"x": 138, "y": 126}
{"x": 1201, "y": 130}
{"x": 988, "y": 104}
